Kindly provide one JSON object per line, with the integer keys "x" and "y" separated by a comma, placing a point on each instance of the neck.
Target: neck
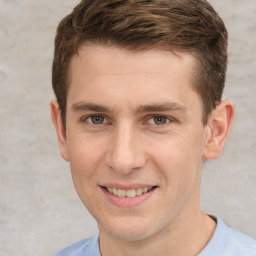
{"x": 187, "y": 237}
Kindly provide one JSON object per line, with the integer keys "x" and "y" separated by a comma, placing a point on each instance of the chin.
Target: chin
{"x": 131, "y": 235}
{"x": 131, "y": 229}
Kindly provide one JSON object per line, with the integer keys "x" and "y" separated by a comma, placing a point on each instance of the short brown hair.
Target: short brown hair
{"x": 182, "y": 25}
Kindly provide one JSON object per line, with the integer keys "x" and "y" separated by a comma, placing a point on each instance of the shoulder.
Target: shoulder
{"x": 227, "y": 241}
{"x": 241, "y": 242}
{"x": 89, "y": 246}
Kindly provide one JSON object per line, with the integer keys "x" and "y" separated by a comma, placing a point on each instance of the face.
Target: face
{"x": 135, "y": 139}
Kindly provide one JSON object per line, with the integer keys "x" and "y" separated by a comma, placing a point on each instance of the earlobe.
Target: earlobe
{"x": 218, "y": 128}
{"x": 60, "y": 131}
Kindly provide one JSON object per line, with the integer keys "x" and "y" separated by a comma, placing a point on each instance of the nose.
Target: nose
{"x": 125, "y": 153}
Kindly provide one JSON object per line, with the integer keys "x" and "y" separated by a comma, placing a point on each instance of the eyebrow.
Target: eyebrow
{"x": 161, "y": 107}
{"x": 83, "y": 106}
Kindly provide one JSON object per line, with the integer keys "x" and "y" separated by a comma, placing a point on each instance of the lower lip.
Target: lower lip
{"x": 128, "y": 202}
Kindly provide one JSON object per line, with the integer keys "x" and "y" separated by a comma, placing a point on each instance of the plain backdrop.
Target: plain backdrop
{"x": 40, "y": 212}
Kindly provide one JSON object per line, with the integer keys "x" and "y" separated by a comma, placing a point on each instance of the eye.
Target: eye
{"x": 96, "y": 119}
{"x": 159, "y": 120}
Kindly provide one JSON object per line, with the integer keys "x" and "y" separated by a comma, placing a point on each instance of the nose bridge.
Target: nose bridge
{"x": 126, "y": 154}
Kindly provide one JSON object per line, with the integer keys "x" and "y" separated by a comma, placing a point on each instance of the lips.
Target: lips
{"x": 128, "y": 196}
{"x": 128, "y": 193}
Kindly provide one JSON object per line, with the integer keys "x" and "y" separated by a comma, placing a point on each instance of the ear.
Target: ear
{"x": 218, "y": 128}
{"x": 61, "y": 133}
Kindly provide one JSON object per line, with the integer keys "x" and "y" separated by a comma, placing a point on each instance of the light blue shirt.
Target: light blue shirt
{"x": 224, "y": 242}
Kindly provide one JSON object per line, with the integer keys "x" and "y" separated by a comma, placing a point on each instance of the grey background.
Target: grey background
{"x": 40, "y": 212}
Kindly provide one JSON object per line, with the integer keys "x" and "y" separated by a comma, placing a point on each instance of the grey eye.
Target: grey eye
{"x": 97, "y": 119}
{"x": 160, "y": 120}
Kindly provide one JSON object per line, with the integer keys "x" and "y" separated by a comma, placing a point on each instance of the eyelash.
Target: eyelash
{"x": 86, "y": 118}
{"x": 151, "y": 117}
{"x": 165, "y": 120}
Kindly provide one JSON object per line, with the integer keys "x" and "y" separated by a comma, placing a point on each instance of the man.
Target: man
{"x": 138, "y": 110}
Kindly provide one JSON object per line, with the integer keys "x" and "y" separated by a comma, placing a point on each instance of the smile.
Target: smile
{"x": 128, "y": 197}
{"x": 128, "y": 193}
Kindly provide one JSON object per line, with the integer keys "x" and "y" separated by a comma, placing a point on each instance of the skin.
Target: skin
{"x": 130, "y": 147}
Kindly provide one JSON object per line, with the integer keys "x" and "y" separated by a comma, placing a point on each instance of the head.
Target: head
{"x": 138, "y": 86}
{"x": 179, "y": 25}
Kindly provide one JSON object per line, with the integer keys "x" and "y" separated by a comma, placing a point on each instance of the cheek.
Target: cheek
{"x": 178, "y": 160}
{"x": 85, "y": 157}
{"x": 85, "y": 163}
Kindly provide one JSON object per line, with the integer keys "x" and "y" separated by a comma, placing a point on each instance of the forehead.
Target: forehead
{"x": 142, "y": 74}
{"x": 96, "y": 56}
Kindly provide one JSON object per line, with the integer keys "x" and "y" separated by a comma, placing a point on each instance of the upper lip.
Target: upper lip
{"x": 127, "y": 186}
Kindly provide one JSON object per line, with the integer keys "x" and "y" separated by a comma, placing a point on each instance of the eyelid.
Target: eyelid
{"x": 108, "y": 120}
{"x": 168, "y": 118}
{"x": 86, "y": 117}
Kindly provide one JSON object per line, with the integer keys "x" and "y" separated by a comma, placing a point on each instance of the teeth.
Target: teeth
{"x": 139, "y": 191}
{"x": 131, "y": 193}
{"x": 110, "y": 190}
{"x": 115, "y": 191}
{"x": 128, "y": 193}
{"x": 144, "y": 190}
{"x": 121, "y": 193}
